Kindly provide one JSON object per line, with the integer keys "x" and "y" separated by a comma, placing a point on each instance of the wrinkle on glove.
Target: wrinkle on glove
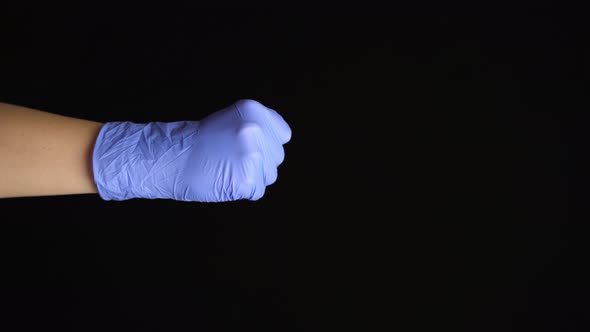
{"x": 231, "y": 154}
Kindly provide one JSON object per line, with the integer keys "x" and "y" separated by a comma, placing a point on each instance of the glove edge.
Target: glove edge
{"x": 95, "y": 167}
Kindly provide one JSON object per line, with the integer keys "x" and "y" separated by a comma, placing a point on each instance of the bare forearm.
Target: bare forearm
{"x": 45, "y": 154}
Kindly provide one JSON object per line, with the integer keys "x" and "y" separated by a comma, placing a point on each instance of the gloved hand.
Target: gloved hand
{"x": 231, "y": 154}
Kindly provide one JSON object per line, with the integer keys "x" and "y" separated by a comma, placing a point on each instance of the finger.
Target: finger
{"x": 251, "y": 177}
{"x": 276, "y": 153}
{"x": 253, "y": 159}
{"x": 256, "y": 181}
{"x": 250, "y": 110}
{"x": 258, "y": 192}
{"x": 280, "y": 126}
{"x": 250, "y": 138}
{"x": 270, "y": 174}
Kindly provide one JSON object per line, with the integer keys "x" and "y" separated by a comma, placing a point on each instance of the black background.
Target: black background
{"x": 437, "y": 173}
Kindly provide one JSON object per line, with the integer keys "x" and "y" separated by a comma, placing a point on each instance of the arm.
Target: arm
{"x": 45, "y": 154}
{"x": 229, "y": 155}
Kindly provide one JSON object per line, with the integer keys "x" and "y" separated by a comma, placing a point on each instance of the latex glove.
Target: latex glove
{"x": 229, "y": 155}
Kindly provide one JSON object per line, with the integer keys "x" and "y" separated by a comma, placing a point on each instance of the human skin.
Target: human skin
{"x": 44, "y": 154}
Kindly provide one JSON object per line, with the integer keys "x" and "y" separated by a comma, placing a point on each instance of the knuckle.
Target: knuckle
{"x": 287, "y": 134}
{"x": 249, "y": 129}
{"x": 281, "y": 156}
{"x": 249, "y": 134}
{"x": 271, "y": 177}
{"x": 252, "y": 108}
{"x": 248, "y": 104}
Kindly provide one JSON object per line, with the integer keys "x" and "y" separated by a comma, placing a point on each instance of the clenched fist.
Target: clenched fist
{"x": 231, "y": 154}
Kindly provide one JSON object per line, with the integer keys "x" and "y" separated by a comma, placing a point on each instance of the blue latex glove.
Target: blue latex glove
{"x": 231, "y": 154}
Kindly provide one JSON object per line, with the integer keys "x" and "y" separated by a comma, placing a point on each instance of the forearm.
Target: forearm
{"x": 45, "y": 154}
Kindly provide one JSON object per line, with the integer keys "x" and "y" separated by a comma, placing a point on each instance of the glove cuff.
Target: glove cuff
{"x": 111, "y": 159}
{"x": 130, "y": 159}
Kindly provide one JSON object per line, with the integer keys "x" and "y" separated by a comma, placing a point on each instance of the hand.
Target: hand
{"x": 231, "y": 154}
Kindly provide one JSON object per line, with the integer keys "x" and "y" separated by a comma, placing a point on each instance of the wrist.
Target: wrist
{"x": 128, "y": 157}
